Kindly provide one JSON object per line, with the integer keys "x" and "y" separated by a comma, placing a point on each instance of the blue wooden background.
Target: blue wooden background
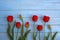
{"x": 28, "y": 8}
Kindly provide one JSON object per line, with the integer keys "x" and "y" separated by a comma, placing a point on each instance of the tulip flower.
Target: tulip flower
{"x": 45, "y": 19}
{"x": 18, "y": 25}
{"x": 27, "y": 24}
{"x": 9, "y": 18}
{"x": 39, "y": 28}
{"x": 34, "y": 19}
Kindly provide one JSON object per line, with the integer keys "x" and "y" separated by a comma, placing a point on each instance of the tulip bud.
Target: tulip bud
{"x": 21, "y": 17}
{"x": 49, "y": 27}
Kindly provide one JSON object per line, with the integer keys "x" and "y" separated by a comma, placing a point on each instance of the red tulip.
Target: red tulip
{"x": 27, "y": 24}
{"x": 39, "y": 27}
{"x": 18, "y": 24}
{"x": 46, "y": 18}
{"x": 10, "y": 18}
{"x": 35, "y": 18}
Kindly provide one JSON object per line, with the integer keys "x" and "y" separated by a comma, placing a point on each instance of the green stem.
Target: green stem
{"x": 17, "y": 35}
{"x": 51, "y": 34}
{"x": 39, "y": 35}
{"x": 23, "y": 27}
{"x": 44, "y": 31}
{"x": 34, "y": 26}
{"x": 34, "y": 31}
{"x": 26, "y": 30}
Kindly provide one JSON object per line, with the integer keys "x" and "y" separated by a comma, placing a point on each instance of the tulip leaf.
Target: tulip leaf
{"x": 13, "y": 29}
{"x": 23, "y": 37}
{"x": 34, "y": 36}
{"x": 47, "y": 37}
{"x": 26, "y": 33}
{"x": 19, "y": 38}
{"x": 8, "y": 32}
{"x": 54, "y": 35}
{"x": 22, "y": 30}
{"x": 22, "y": 33}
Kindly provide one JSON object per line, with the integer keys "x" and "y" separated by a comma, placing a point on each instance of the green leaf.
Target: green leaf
{"x": 26, "y": 33}
{"x": 47, "y": 37}
{"x": 24, "y": 36}
{"x": 21, "y": 38}
{"x": 13, "y": 29}
{"x": 22, "y": 30}
{"x": 34, "y": 36}
{"x": 8, "y": 32}
{"x": 54, "y": 35}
